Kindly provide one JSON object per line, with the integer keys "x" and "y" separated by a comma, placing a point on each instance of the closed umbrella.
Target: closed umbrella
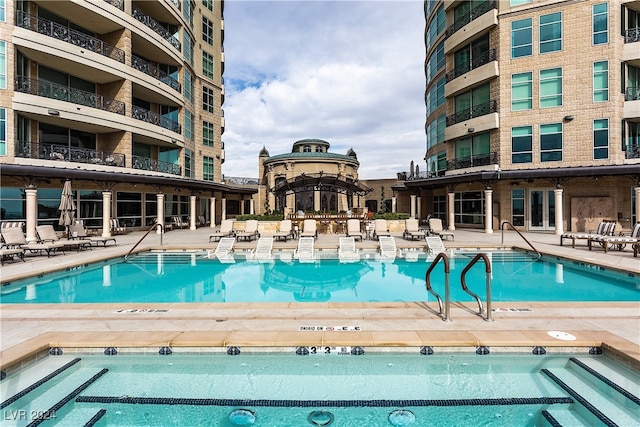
{"x": 67, "y": 206}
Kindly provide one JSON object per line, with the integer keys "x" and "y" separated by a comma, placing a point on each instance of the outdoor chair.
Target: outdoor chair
{"x": 435, "y": 245}
{"x": 435, "y": 228}
{"x": 618, "y": 242}
{"x": 305, "y": 251}
{"x": 10, "y": 253}
{"x": 264, "y": 248}
{"x": 225, "y": 230}
{"x": 47, "y": 234}
{"x": 250, "y": 232}
{"x": 116, "y": 228}
{"x": 77, "y": 231}
{"x": 381, "y": 229}
{"x": 412, "y": 230}
{"x": 605, "y": 228}
{"x": 177, "y": 222}
{"x": 285, "y": 230}
{"x": 14, "y": 239}
{"x": 347, "y": 251}
{"x": 388, "y": 249}
{"x": 224, "y": 250}
{"x": 309, "y": 229}
{"x": 353, "y": 229}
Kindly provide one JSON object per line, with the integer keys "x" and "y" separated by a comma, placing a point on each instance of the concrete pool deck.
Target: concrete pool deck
{"x": 27, "y": 330}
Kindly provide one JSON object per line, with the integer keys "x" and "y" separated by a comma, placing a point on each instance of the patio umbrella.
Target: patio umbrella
{"x": 67, "y": 206}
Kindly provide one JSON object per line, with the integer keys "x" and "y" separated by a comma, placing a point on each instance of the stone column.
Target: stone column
{"x": 557, "y": 193}
{"x": 451, "y": 211}
{"x": 212, "y": 209}
{"x": 419, "y": 207}
{"x": 413, "y": 205}
{"x": 242, "y": 205}
{"x": 316, "y": 200}
{"x": 252, "y": 209}
{"x": 32, "y": 214}
{"x": 160, "y": 211}
{"x": 106, "y": 214}
{"x": 637, "y": 193}
{"x": 223, "y": 208}
{"x": 192, "y": 212}
{"x": 488, "y": 211}
{"x": 394, "y": 204}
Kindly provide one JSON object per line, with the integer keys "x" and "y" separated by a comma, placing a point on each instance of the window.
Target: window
{"x": 435, "y": 131}
{"x": 521, "y": 91}
{"x": 521, "y": 144}
{"x": 207, "y": 31}
{"x": 207, "y": 65}
{"x": 187, "y": 11}
{"x": 601, "y": 139}
{"x": 551, "y": 32}
{"x": 306, "y": 149}
{"x": 600, "y": 23}
{"x": 440, "y": 207}
{"x": 436, "y": 26}
{"x": 517, "y": 207}
{"x": 437, "y": 164}
{"x": 208, "y": 4}
{"x": 601, "y": 81}
{"x": 435, "y": 96}
{"x": 207, "y": 168}
{"x": 551, "y": 88}
{"x": 3, "y": 64}
{"x": 128, "y": 208}
{"x": 551, "y": 142}
{"x": 188, "y": 48}
{"x": 188, "y": 86}
{"x": 469, "y": 207}
{"x": 521, "y": 38}
{"x": 3, "y": 8}
{"x": 518, "y": 2}
{"x": 188, "y": 163}
{"x": 436, "y": 62}
{"x": 474, "y": 103}
{"x": 207, "y": 99}
{"x": 3, "y": 131}
{"x": 188, "y": 124}
{"x": 207, "y": 134}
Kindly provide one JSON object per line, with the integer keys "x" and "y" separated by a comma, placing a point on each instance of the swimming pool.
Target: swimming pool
{"x": 193, "y": 277}
{"x": 315, "y": 388}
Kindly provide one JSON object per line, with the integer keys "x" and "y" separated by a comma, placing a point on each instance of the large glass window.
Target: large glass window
{"x": 150, "y": 208}
{"x": 3, "y": 8}
{"x": 207, "y": 31}
{"x": 437, "y": 164}
{"x": 3, "y": 131}
{"x": 188, "y": 86}
{"x": 601, "y": 139}
{"x": 129, "y": 208}
{"x": 188, "y": 47}
{"x": 521, "y": 91}
{"x": 207, "y": 134}
{"x": 519, "y": 2}
{"x": 477, "y": 147}
{"x": 48, "y": 203}
{"x": 469, "y": 207}
{"x": 207, "y": 168}
{"x": 188, "y": 125}
{"x": 440, "y": 207}
{"x": 517, "y": 207}
{"x": 522, "y": 144}
{"x": 435, "y": 96}
{"x": 3, "y": 64}
{"x": 208, "y": 4}
{"x": 551, "y": 88}
{"x": 187, "y": 11}
{"x": 436, "y": 26}
{"x": 522, "y": 38}
{"x": 435, "y": 62}
{"x": 207, "y": 99}
{"x": 474, "y": 98}
{"x": 207, "y": 65}
{"x": 601, "y": 81}
{"x": 435, "y": 130}
{"x": 188, "y": 163}
{"x": 90, "y": 208}
{"x": 600, "y": 23}
{"x": 551, "y": 32}
{"x": 13, "y": 203}
{"x": 551, "y": 142}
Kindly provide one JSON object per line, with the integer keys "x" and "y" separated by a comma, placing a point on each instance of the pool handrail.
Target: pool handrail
{"x": 489, "y": 315}
{"x": 523, "y": 238}
{"x": 153, "y": 227}
{"x": 447, "y": 299}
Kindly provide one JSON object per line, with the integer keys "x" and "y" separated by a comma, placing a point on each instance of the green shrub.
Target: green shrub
{"x": 391, "y": 216}
{"x": 272, "y": 217}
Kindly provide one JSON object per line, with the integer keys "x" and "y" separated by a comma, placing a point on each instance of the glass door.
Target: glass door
{"x": 541, "y": 209}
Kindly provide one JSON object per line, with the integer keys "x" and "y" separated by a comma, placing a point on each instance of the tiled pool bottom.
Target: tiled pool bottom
{"x": 319, "y": 386}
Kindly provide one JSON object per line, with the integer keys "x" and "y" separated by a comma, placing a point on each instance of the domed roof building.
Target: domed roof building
{"x": 309, "y": 178}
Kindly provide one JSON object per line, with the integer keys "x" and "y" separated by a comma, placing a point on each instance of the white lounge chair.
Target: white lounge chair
{"x": 116, "y": 228}
{"x": 250, "y": 231}
{"x": 47, "y": 234}
{"x": 305, "y": 251}
{"x": 381, "y": 229}
{"x": 617, "y": 241}
{"x": 309, "y": 229}
{"x": 77, "y": 231}
{"x": 14, "y": 239}
{"x": 347, "y": 251}
{"x": 353, "y": 229}
{"x": 435, "y": 245}
{"x": 264, "y": 248}
{"x": 435, "y": 228}
{"x": 224, "y": 250}
{"x": 412, "y": 230}
{"x": 225, "y": 230}
{"x": 285, "y": 230}
{"x": 9, "y": 254}
{"x": 605, "y": 228}
{"x": 388, "y": 249}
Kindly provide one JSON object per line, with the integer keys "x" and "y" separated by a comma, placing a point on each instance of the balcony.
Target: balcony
{"x": 45, "y": 151}
{"x": 477, "y": 62}
{"x": 475, "y": 13}
{"x": 177, "y": 4}
{"x": 632, "y": 152}
{"x": 155, "y": 26}
{"x": 473, "y": 161}
{"x": 145, "y": 163}
{"x": 155, "y": 72}
{"x": 68, "y": 35}
{"x": 632, "y": 35}
{"x": 154, "y": 118}
{"x": 473, "y": 112}
{"x": 632, "y": 93}
{"x": 116, "y": 3}
{"x": 69, "y": 94}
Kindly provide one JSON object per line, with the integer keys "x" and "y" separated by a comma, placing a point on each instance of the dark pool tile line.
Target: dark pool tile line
{"x": 635, "y": 399}
{"x": 382, "y": 403}
{"x": 97, "y": 417}
{"x": 551, "y": 419}
{"x": 38, "y": 383}
{"x": 595, "y": 411}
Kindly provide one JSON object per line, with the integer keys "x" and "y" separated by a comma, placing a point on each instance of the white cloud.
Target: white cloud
{"x": 351, "y": 73}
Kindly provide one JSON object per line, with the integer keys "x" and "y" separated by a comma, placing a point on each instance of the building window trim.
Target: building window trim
{"x": 522, "y": 38}
{"x": 522, "y": 91}
{"x": 601, "y": 139}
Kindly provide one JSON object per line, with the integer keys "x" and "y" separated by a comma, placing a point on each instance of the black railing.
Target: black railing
{"x": 632, "y": 93}
{"x": 632, "y": 35}
{"x": 154, "y": 118}
{"x": 117, "y": 3}
{"x": 69, "y": 94}
{"x": 177, "y": 4}
{"x": 155, "y": 26}
{"x": 145, "y": 163}
{"x": 66, "y": 34}
{"x": 475, "y": 111}
{"x": 471, "y": 161}
{"x": 632, "y": 152}
{"x": 476, "y": 62}
{"x": 155, "y": 72}
{"x": 46, "y": 151}
{"x": 476, "y": 12}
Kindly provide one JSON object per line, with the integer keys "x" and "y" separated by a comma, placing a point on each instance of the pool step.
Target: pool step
{"x": 565, "y": 417}
{"x": 609, "y": 373}
{"x": 79, "y": 416}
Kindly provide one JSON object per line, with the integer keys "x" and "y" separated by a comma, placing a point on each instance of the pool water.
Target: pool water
{"x": 185, "y": 389}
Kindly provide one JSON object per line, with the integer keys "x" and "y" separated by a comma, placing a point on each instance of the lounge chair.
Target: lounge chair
{"x": 225, "y": 230}
{"x": 224, "y": 250}
{"x": 435, "y": 245}
{"x": 309, "y": 229}
{"x": 177, "y": 222}
{"x": 250, "y": 231}
{"x": 77, "y": 231}
{"x": 412, "y": 230}
{"x": 9, "y": 254}
{"x": 116, "y": 228}
{"x": 353, "y": 229}
{"x": 305, "y": 251}
{"x": 285, "y": 230}
{"x": 47, "y": 234}
{"x": 388, "y": 249}
{"x": 264, "y": 248}
{"x": 605, "y": 228}
{"x": 381, "y": 229}
{"x": 347, "y": 251}
{"x": 14, "y": 239}
{"x": 435, "y": 228}
{"x": 617, "y": 241}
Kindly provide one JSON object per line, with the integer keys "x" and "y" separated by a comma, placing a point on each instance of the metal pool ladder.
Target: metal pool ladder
{"x": 488, "y": 316}
{"x": 523, "y": 238}
{"x": 153, "y": 227}
{"x": 447, "y": 302}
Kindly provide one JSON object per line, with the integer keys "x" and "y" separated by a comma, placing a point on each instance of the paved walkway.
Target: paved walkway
{"x": 29, "y": 329}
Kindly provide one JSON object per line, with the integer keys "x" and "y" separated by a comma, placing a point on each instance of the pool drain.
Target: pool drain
{"x": 242, "y": 417}
{"x": 320, "y": 418}
{"x": 401, "y": 417}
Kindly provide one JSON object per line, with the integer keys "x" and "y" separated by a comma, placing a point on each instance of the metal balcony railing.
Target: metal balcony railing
{"x": 66, "y": 34}
{"x": 46, "y": 151}
{"x": 155, "y": 26}
{"x": 632, "y": 152}
{"x": 117, "y": 3}
{"x": 69, "y": 94}
{"x": 473, "y": 112}
{"x": 474, "y": 13}
{"x": 154, "y": 118}
{"x": 146, "y": 163}
{"x": 155, "y": 72}
{"x": 632, "y": 93}
{"x": 476, "y": 62}
{"x": 632, "y": 35}
{"x": 477, "y": 160}
{"x": 177, "y": 4}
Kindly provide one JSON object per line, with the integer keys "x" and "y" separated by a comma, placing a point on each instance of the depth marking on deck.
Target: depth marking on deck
{"x": 142, "y": 310}
{"x": 511, "y": 309}
{"x": 330, "y": 328}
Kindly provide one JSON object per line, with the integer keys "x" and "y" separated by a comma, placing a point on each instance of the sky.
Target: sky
{"x": 348, "y": 72}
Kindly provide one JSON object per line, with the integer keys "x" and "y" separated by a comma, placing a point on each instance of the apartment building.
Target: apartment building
{"x": 124, "y": 98}
{"x": 532, "y": 114}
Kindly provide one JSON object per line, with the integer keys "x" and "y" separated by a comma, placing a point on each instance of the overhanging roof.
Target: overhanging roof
{"x": 321, "y": 181}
